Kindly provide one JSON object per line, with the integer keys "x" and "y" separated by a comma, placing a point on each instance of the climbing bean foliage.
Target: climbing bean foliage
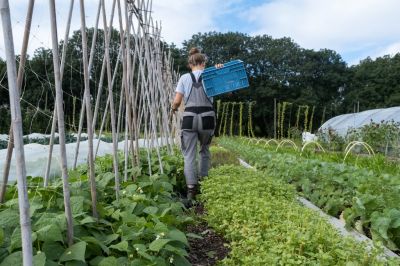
{"x": 365, "y": 197}
{"x": 143, "y": 227}
{"x": 265, "y": 224}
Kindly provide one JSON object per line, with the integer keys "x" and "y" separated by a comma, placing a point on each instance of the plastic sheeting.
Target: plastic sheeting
{"x": 343, "y": 123}
{"x": 36, "y": 156}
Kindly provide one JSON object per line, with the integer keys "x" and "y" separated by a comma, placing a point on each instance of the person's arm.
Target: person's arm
{"x": 177, "y": 101}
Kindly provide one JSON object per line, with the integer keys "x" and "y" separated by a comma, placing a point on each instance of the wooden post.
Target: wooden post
{"x": 15, "y": 107}
{"x": 61, "y": 124}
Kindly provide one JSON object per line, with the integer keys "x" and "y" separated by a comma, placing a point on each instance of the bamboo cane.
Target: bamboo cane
{"x": 88, "y": 110}
{"x": 111, "y": 100}
{"x": 83, "y": 107}
{"x": 53, "y": 126}
{"x": 23, "y": 200}
{"x": 21, "y": 70}
{"x": 61, "y": 124}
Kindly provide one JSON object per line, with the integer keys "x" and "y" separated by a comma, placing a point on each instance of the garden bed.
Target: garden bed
{"x": 265, "y": 224}
{"x": 367, "y": 199}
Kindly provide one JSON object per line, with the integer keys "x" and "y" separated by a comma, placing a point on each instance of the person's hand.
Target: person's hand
{"x": 219, "y": 65}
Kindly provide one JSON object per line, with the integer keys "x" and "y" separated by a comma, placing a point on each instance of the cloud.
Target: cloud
{"x": 181, "y": 19}
{"x": 347, "y": 26}
{"x": 354, "y": 28}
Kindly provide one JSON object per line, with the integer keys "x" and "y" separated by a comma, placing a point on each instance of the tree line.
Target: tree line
{"x": 278, "y": 69}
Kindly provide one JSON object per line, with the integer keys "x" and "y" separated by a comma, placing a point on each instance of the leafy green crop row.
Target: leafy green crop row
{"x": 365, "y": 197}
{"x": 378, "y": 163}
{"x": 265, "y": 224}
{"x": 142, "y": 228}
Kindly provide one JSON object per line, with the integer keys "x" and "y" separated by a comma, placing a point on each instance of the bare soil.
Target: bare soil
{"x": 211, "y": 248}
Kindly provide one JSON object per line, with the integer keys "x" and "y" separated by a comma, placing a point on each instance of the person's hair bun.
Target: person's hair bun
{"x": 194, "y": 50}
{"x": 196, "y": 57}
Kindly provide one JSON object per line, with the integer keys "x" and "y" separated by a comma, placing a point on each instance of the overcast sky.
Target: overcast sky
{"x": 354, "y": 28}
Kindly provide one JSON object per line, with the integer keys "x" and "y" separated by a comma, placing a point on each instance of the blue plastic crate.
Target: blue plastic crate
{"x": 229, "y": 78}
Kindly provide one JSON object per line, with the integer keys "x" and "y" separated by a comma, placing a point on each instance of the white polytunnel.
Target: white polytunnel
{"x": 342, "y": 123}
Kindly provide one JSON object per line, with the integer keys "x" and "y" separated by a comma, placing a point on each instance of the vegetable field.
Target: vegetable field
{"x": 118, "y": 195}
{"x": 366, "y": 197}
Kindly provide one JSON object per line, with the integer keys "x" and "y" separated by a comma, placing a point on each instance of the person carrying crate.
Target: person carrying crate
{"x": 198, "y": 123}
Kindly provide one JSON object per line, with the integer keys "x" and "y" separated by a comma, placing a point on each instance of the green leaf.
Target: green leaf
{"x": 34, "y": 206}
{"x": 395, "y": 217}
{"x": 77, "y": 204}
{"x": 161, "y": 227}
{"x": 110, "y": 238}
{"x": 109, "y": 261}
{"x": 75, "y": 263}
{"x": 75, "y": 252}
{"x": 128, "y": 218}
{"x": 39, "y": 259}
{"x": 14, "y": 259}
{"x": 381, "y": 225}
{"x": 51, "y": 263}
{"x": 150, "y": 210}
{"x": 116, "y": 214}
{"x": 15, "y": 239}
{"x": 179, "y": 251}
{"x": 123, "y": 261}
{"x": 53, "y": 250}
{"x": 48, "y": 218}
{"x": 131, "y": 189}
{"x": 102, "y": 181}
{"x": 158, "y": 244}
{"x": 95, "y": 241}
{"x": 135, "y": 171}
{"x": 87, "y": 220}
{"x": 50, "y": 233}
{"x": 121, "y": 246}
{"x": 1, "y": 236}
{"x": 166, "y": 211}
{"x": 141, "y": 250}
{"x": 9, "y": 218}
{"x": 181, "y": 261}
{"x": 95, "y": 261}
{"x": 178, "y": 236}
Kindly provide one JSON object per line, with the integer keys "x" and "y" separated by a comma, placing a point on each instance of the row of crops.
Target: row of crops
{"x": 265, "y": 224}
{"x": 363, "y": 191}
{"x": 143, "y": 227}
{"x": 255, "y": 210}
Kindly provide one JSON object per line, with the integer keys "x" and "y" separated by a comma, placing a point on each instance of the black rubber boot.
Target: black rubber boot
{"x": 191, "y": 193}
{"x": 190, "y": 197}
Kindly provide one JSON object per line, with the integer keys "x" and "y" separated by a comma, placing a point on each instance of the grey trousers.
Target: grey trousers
{"x": 189, "y": 140}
